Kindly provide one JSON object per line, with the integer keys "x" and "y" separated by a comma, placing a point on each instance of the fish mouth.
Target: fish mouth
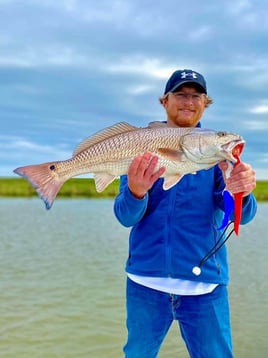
{"x": 233, "y": 149}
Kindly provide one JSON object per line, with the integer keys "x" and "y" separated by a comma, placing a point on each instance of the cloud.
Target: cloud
{"x": 261, "y": 174}
{"x": 203, "y": 33}
{"x": 256, "y": 125}
{"x": 18, "y": 148}
{"x": 240, "y": 7}
{"x": 150, "y": 67}
{"x": 50, "y": 56}
{"x": 17, "y": 151}
{"x": 260, "y": 109}
{"x": 69, "y": 68}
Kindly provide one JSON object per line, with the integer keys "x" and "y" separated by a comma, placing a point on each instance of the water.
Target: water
{"x": 62, "y": 283}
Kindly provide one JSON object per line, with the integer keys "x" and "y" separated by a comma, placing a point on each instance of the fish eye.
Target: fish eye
{"x": 222, "y": 134}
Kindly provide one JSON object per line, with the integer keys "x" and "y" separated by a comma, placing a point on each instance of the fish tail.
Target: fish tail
{"x": 44, "y": 180}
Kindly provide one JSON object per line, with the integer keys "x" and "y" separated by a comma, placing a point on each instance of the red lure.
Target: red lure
{"x": 238, "y": 197}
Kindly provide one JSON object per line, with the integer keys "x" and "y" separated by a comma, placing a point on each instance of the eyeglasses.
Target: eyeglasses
{"x": 194, "y": 97}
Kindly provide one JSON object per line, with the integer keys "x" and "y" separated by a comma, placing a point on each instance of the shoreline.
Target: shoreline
{"x": 85, "y": 188}
{"x": 73, "y": 188}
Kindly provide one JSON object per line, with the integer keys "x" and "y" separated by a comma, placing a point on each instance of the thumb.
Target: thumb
{"x": 223, "y": 165}
{"x": 226, "y": 168}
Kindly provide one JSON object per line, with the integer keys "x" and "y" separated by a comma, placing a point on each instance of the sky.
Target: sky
{"x": 69, "y": 68}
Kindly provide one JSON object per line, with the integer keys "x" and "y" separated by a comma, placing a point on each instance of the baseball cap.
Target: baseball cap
{"x": 181, "y": 77}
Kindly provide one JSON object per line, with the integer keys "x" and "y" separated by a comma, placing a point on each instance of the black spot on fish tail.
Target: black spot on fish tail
{"x": 52, "y": 167}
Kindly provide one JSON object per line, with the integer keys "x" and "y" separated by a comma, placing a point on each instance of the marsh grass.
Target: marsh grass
{"x": 76, "y": 187}
{"x": 85, "y": 187}
{"x": 261, "y": 191}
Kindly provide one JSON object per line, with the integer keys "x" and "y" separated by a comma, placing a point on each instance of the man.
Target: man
{"x": 171, "y": 231}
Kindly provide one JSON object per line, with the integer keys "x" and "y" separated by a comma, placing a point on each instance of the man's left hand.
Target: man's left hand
{"x": 242, "y": 178}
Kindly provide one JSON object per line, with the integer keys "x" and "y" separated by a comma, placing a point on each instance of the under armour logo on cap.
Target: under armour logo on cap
{"x": 182, "y": 77}
{"x": 188, "y": 74}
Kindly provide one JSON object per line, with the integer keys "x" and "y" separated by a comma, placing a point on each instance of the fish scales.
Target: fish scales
{"x": 124, "y": 147}
{"x": 117, "y": 152}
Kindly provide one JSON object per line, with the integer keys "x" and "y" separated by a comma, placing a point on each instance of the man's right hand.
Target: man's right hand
{"x": 142, "y": 174}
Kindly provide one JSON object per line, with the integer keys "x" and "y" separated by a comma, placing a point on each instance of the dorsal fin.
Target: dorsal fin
{"x": 157, "y": 124}
{"x": 118, "y": 128}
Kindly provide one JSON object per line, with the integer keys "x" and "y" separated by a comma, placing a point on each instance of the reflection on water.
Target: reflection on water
{"x": 62, "y": 282}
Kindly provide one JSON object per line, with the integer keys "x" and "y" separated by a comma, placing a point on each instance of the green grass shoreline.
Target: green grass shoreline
{"x": 85, "y": 188}
{"x": 73, "y": 188}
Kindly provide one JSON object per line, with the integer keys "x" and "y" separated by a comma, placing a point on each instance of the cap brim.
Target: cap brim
{"x": 175, "y": 88}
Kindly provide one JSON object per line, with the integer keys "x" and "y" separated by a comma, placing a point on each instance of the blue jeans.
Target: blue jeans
{"x": 203, "y": 320}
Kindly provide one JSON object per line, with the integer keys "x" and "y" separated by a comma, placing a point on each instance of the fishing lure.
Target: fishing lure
{"x": 232, "y": 203}
{"x": 228, "y": 208}
{"x": 238, "y": 199}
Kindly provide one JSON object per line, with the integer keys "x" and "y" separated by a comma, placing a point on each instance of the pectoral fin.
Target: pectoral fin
{"x": 102, "y": 180}
{"x": 170, "y": 181}
{"x": 171, "y": 154}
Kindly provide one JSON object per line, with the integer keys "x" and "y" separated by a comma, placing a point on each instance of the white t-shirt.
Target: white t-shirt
{"x": 174, "y": 286}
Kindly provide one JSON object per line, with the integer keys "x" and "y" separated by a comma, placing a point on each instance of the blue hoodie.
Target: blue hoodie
{"x": 173, "y": 230}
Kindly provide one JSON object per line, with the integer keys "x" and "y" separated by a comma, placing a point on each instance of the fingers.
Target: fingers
{"x": 242, "y": 179}
{"x": 143, "y": 173}
{"x": 226, "y": 168}
{"x": 223, "y": 165}
{"x": 140, "y": 164}
{"x": 144, "y": 166}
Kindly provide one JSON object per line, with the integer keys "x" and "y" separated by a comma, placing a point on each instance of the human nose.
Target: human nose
{"x": 188, "y": 97}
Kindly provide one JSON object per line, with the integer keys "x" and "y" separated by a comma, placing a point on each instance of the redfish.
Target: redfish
{"x": 109, "y": 153}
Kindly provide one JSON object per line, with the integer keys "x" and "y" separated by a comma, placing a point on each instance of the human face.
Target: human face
{"x": 185, "y": 107}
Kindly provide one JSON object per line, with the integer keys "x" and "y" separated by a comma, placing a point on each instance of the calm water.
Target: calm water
{"x": 62, "y": 282}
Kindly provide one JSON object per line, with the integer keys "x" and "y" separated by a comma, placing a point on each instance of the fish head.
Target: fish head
{"x": 233, "y": 149}
{"x": 208, "y": 146}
